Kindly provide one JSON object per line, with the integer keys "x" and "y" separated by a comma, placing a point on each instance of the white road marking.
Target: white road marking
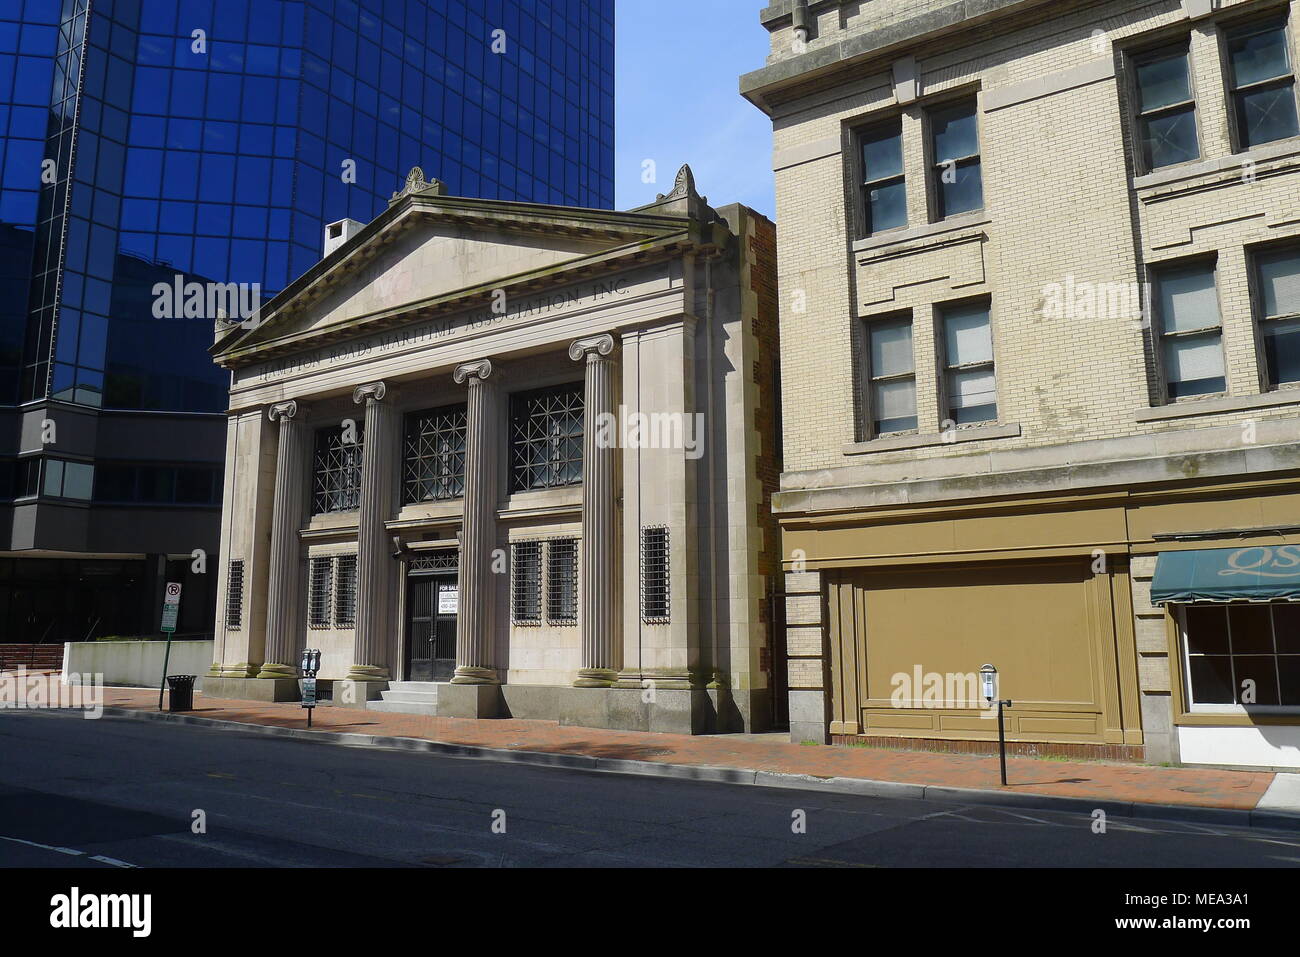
{"x": 71, "y": 851}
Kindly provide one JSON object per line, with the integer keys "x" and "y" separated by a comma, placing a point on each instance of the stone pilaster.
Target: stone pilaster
{"x": 475, "y": 635}
{"x": 599, "y": 561}
{"x": 284, "y": 591}
{"x": 375, "y": 566}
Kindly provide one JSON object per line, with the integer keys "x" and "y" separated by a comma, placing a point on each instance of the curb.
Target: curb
{"x": 860, "y": 787}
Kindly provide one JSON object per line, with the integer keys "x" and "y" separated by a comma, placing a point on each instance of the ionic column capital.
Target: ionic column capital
{"x": 371, "y": 391}
{"x": 286, "y": 410}
{"x": 481, "y": 369}
{"x": 592, "y": 348}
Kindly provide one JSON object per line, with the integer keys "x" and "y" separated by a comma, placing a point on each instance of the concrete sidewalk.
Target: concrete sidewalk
{"x": 1259, "y": 798}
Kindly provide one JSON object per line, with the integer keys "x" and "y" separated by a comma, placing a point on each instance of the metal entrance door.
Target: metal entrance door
{"x": 433, "y": 604}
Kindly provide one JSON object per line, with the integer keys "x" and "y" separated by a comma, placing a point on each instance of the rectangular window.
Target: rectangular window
{"x": 319, "y": 590}
{"x": 970, "y": 380}
{"x": 955, "y": 154}
{"x": 526, "y": 587}
{"x": 884, "y": 184}
{"x": 336, "y": 485}
{"x": 891, "y": 373}
{"x": 433, "y": 467}
{"x": 1243, "y": 654}
{"x": 655, "y": 605}
{"x": 1191, "y": 332}
{"x": 546, "y": 438}
{"x": 1262, "y": 82}
{"x": 345, "y": 591}
{"x": 562, "y": 581}
{"x": 235, "y": 595}
{"x": 1166, "y": 108}
{"x": 1277, "y": 275}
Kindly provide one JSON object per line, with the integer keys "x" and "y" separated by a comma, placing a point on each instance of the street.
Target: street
{"x": 114, "y": 792}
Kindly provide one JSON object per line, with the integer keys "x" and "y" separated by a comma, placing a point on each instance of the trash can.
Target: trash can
{"x": 182, "y": 692}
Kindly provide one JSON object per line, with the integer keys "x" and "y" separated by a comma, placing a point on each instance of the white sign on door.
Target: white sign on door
{"x": 449, "y": 600}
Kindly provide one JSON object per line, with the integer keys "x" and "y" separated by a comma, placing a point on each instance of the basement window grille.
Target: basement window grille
{"x": 655, "y": 604}
{"x": 345, "y": 591}
{"x": 526, "y": 588}
{"x": 319, "y": 589}
{"x": 562, "y": 581}
{"x": 235, "y": 595}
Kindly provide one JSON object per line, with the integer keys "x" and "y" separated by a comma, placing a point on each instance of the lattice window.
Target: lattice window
{"x": 546, "y": 438}
{"x": 655, "y": 603}
{"x": 562, "y": 581}
{"x": 440, "y": 560}
{"x": 235, "y": 595}
{"x": 345, "y": 591}
{"x": 319, "y": 589}
{"x": 433, "y": 467}
{"x": 526, "y": 587}
{"x": 337, "y": 475}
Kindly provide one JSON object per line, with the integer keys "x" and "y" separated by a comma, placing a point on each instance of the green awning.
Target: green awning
{"x": 1254, "y": 573}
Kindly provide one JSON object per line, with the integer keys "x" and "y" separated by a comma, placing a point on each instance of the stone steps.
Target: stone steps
{"x": 408, "y": 697}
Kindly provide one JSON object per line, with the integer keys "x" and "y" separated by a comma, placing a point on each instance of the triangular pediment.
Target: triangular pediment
{"x": 436, "y": 250}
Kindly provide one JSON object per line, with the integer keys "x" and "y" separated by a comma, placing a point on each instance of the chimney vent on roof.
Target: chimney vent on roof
{"x": 336, "y": 234}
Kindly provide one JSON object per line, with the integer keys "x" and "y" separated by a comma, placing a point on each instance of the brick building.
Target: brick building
{"x": 1039, "y": 266}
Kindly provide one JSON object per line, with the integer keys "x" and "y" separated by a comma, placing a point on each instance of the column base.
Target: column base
{"x": 270, "y": 670}
{"x": 466, "y": 675}
{"x": 351, "y": 692}
{"x": 243, "y": 669}
{"x": 463, "y": 700}
{"x": 367, "y": 673}
{"x": 595, "y": 678}
{"x": 252, "y": 689}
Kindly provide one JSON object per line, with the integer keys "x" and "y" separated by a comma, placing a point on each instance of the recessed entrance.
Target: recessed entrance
{"x": 432, "y": 607}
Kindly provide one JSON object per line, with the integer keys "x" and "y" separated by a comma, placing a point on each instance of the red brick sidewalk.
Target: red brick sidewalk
{"x": 1239, "y": 790}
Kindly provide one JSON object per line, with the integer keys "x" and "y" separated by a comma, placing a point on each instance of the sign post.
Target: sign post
{"x": 171, "y": 606}
{"x": 989, "y": 681}
{"x": 310, "y": 665}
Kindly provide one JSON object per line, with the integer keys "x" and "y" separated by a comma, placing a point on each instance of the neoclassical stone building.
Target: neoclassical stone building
{"x": 503, "y": 459}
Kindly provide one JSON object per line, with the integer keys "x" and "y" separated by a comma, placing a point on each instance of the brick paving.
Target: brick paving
{"x": 1239, "y": 790}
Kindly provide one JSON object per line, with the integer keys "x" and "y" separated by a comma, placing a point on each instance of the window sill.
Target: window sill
{"x": 896, "y": 443}
{"x": 897, "y": 236}
{"x": 1289, "y": 395}
{"x": 1240, "y": 718}
{"x": 1233, "y": 162}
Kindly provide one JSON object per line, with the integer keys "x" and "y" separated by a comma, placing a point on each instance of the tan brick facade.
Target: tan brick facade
{"x": 1072, "y": 231}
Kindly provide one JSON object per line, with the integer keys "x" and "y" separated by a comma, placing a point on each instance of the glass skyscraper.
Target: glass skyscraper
{"x": 211, "y": 140}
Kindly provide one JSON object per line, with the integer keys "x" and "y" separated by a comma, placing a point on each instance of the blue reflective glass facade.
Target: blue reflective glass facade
{"x": 213, "y": 139}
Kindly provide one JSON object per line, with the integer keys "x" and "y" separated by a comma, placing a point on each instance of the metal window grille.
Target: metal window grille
{"x": 562, "y": 581}
{"x": 655, "y": 598}
{"x": 433, "y": 467}
{"x": 441, "y": 560}
{"x": 546, "y": 438}
{"x": 345, "y": 591}
{"x": 337, "y": 474}
{"x": 235, "y": 595}
{"x": 526, "y": 588}
{"x": 318, "y": 592}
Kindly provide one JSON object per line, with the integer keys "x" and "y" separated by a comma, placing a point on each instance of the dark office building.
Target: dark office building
{"x": 152, "y": 145}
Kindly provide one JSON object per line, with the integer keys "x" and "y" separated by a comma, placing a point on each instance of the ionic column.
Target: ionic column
{"x": 475, "y": 639}
{"x": 375, "y": 565}
{"x": 284, "y": 592}
{"x": 601, "y": 648}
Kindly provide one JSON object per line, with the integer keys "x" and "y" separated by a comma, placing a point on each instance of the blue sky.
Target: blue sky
{"x": 676, "y": 77}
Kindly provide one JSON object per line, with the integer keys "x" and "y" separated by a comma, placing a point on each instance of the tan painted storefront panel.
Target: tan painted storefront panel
{"x": 1048, "y": 626}
{"x": 1242, "y": 510}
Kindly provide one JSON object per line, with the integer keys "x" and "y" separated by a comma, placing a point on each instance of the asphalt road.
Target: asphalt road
{"x": 115, "y": 792}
